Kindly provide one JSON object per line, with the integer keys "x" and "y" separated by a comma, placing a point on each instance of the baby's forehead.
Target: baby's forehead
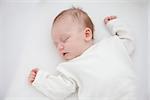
{"x": 67, "y": 22}
{"x": 64, "y": 14}
{"x": 67, "y": 18}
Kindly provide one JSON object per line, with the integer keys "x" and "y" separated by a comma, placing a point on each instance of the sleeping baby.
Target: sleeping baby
{"x": 91, "y": 71}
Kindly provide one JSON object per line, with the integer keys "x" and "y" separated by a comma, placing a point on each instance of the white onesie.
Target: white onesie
{"x": 103, "y": 72}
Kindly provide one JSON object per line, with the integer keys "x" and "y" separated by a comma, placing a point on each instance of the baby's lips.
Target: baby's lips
{"x": 65, "y": 53}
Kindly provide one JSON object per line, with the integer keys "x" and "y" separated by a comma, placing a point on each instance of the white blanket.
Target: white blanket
{"x": 102, "y": 72}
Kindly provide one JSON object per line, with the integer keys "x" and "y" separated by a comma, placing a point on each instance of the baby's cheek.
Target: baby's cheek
{"x": 68, "y": 46}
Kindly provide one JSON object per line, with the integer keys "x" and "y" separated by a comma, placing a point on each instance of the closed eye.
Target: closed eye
{"x": 66, "y": 38}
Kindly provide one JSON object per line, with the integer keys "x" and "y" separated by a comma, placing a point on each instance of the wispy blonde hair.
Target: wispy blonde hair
{"x": 80, "y": 15}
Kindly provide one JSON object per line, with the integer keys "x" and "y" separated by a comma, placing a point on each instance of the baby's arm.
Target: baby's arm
{"x": 54, "y": 86}
{"x": 117, "y": 29}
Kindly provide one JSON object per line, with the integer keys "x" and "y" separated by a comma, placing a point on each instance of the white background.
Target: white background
{"x": 25, "y": 40}
{"x": 148, "y": 47}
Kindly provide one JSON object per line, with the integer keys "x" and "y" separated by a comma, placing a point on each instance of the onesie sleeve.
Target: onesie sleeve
{"x": 116, "y": 28}
{"x": 55, "y": 87}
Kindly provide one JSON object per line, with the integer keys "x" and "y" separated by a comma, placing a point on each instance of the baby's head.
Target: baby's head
{"x": 72, "y": 32}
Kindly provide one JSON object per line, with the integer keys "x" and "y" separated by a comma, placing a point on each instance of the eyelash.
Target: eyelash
{"x": 63, "y": 40}
{"x": 66, "y": 39}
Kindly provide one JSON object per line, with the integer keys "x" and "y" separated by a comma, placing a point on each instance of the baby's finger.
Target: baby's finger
{"x": 31, "y": 79}
{"x": 33, "y": 73}
{"x": 31, "y": 76}
{"x": 35, "y": 70}
{"x": 113, "y": 17}
{"x": 106, "y": 20}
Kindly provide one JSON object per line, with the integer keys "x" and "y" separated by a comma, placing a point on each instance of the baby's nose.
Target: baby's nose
{"x": 60, "y": 47}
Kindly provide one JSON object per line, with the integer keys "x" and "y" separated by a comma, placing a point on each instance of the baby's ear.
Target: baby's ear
{"x": 88, "y": 34}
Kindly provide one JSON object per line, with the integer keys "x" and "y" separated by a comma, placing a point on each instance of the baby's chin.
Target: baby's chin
{"x": 69, "y": 57}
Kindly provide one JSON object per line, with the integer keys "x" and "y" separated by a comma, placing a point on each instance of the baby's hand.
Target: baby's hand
{"x": 109, "y": 18}
{"x": 32, "y": 75}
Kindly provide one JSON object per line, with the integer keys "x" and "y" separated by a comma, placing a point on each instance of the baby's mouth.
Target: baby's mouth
{"x": 65, "y": 53}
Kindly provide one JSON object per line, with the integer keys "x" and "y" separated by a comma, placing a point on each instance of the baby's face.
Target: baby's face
{"x": 69, "y": 38}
